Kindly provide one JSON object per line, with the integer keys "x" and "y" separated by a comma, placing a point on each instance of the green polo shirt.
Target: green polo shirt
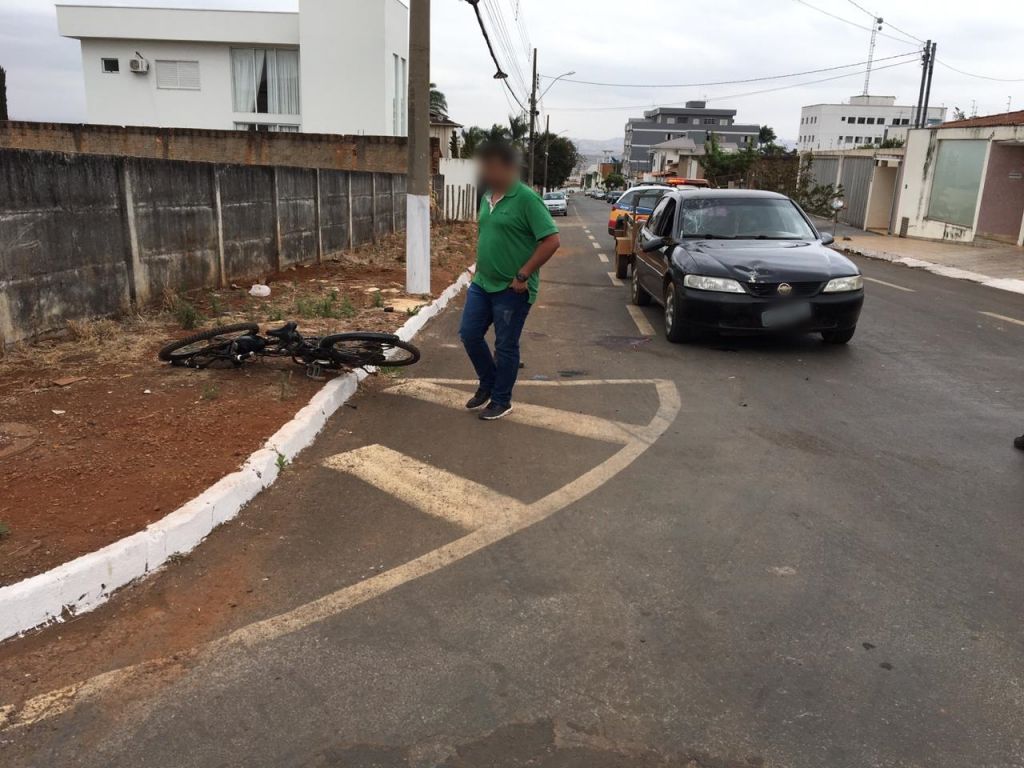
{"x": 509, "y": 236}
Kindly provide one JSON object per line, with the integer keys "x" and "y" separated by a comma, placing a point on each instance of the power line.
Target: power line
{"x": 500, "y": 74}
{"x": 981, "y": 77}
{"x": 847, "y": 21}
{"x": 734, "y": 95}
{"x": 730, "y": 82}
{"x": 889, "y": 24}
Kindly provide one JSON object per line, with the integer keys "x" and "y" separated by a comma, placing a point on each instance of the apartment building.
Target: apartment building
{"x": 860, "y": 121}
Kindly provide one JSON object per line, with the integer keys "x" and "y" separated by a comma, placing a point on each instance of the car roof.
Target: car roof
{"x": 721, "y": 193}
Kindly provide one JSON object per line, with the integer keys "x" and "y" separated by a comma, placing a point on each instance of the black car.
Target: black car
{"x": 744, "y": 262}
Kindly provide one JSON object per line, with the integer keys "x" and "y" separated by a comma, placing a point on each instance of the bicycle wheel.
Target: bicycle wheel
{"x": 358, "y": 350}
{"x": 200, "y": 349}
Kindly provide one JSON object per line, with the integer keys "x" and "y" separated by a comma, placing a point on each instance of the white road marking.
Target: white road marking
{"x": 597, "y": 246}
{"x": 47, "y": 705}
{"x": 615, "y": 280}
{"x": 591, "y": 236}
{"x": 1004, "y": 318}
{"x": 433, "y": 491}
{"x": 642, "y": 323}
{"x": 586, "y": 230}
{"x": 890, "y": 285}
{"x": 568, "y": 422}
{"x": 603, "y": 257}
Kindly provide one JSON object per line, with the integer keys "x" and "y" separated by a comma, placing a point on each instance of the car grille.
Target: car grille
{"x": 800, "y": 290}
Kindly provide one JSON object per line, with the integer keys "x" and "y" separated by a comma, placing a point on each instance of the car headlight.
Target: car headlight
{"x": 720, "y": 284}
{"x": 842, "y": 284}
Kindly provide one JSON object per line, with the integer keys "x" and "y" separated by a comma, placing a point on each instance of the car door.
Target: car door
{"x": 656, "y": 263}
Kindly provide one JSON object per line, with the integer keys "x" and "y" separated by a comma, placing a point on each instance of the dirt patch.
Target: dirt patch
{"x": 109, "y": 440}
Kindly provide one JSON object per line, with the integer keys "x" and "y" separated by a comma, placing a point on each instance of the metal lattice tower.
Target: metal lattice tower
{"x": 875, "y": 29}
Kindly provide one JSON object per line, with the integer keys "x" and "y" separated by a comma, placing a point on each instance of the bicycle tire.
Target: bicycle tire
{"x": 167, "y": 353}
{"x": 374, "y": 350}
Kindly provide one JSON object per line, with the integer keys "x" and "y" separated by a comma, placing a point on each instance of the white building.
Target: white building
{"x": 335, "y": 66}
{"x": 864, "y": 120}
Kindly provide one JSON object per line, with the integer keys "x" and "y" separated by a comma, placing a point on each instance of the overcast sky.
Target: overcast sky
{"x": 664, "y": 41}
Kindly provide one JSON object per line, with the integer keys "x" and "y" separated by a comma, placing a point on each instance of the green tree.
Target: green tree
{"x": 562, "y": 158}
{"x": 766, "y": 135}
{"x": 453, "y": 144}
{"x": 438, "y": 101}
{"x": 614, "y": 180}
{"x": 519, "y": 130}
{"x": 472, "y": 138}
{"x": 722, "y": 167}
{"x": 3, "y": 94}
{"x": 814, "y": 197}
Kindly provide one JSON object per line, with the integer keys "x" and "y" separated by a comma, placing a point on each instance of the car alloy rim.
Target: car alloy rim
{"x": 670, "y": 300}
{"x": 635, "y": 284}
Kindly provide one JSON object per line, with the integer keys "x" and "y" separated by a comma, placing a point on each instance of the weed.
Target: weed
{"x": 378, "y": 300}
{"x": 210, "y": 392}
{"x": 391, "y": 372}
{"x": 346, "y": 309}
{"x": 276, "y": 315}
{"x": 215, "y": 306}
{"x": 186, "y": 314}
{"x": 412, "y": 311}
{"x": 5, "y": 530}
{"x": 282, "y": 461}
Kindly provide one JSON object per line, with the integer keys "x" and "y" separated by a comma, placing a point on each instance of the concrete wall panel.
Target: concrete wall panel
{"x": 247, "y": 212}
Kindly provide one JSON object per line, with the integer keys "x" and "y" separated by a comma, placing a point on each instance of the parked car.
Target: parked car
{"x": 639, "y": 200}
{"x": 556, "y": 203}
{"x": 743, "y": 262}
{"x": 612, "y": 195}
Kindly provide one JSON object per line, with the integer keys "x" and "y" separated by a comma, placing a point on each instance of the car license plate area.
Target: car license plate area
{"x": 786, "y": 315}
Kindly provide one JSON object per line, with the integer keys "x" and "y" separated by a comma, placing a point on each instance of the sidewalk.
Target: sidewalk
{"x": 992, "y": 264}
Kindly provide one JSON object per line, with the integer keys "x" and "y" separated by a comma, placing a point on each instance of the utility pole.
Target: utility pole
{"x": 928, "y": 87}
{"x": 533, "y": 120}
{"x": 924, "y": 76}
{"x": 547, "y": 149}
{"x": 417, "y": 220}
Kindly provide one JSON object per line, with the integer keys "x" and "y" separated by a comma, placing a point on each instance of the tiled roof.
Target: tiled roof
{"x": 1006, "y": 118}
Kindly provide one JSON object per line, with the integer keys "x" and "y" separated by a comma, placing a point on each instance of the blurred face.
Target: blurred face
{"x": 496, "y": 174}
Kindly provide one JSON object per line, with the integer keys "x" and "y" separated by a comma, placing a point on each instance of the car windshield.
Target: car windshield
{"x": 554, "y": 196}
{"x": 743, "y": 218}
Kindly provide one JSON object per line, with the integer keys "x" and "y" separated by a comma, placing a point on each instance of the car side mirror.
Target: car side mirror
{"x": 827, "y": 239}
{"x": 656, "y": 244}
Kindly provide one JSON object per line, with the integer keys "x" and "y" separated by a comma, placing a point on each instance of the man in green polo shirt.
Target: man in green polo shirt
{"x": 517, "y": 237}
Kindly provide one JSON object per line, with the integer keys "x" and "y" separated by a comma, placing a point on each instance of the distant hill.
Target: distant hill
{"x": 596, "y": 147}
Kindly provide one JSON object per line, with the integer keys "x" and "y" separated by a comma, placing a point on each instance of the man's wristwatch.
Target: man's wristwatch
{"x": 522, "y": 278}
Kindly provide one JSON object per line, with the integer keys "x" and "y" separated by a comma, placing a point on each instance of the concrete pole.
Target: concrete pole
{"x": 417, "y": 222}
{"x": 547, "y": 150}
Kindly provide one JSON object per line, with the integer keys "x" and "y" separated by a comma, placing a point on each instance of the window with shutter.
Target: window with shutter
{"x": 177, "y": 75}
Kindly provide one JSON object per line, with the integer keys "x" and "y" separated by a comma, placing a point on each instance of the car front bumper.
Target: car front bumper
{"x": 734, "y": 313}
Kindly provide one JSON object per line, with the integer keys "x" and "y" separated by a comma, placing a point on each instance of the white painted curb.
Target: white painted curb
{"x": 88, "y": 581}
{"x": 1002, "y": 283}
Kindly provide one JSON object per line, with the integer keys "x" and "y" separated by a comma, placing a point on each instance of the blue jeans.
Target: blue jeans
{"x": 506, "y": 311}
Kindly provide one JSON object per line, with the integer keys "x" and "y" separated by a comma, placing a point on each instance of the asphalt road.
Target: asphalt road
{"x": 737, "y": 553}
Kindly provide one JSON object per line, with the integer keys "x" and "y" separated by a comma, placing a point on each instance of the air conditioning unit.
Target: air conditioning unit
{"x": 139, "y": 65}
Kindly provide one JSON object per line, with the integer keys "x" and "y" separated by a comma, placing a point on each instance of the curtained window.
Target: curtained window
{"x": 265, "y": 80}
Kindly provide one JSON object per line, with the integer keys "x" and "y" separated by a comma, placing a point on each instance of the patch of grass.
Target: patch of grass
{"x": 391, "y": 372}
{"x": 412, "y": 311}
{"x": 378, "y": 300}
{"x": 5, "y": 530}
{"x": 210, "y": 392}
{"x": 275, "y": 315}
{"x": 346, "y": 309}
{"x": 326, "y": 307}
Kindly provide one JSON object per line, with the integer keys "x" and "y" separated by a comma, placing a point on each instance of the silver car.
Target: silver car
{"x": 556, "y": 203}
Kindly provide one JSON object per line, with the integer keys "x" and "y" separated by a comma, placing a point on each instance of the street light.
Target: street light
{"x": 567, "y": 74}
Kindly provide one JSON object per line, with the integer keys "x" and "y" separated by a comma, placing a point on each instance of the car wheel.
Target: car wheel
{"x": 676, "y": 330}
{"x": 639, "y": 296}
{"x": 838, "y": 337}
{"x": 622, "y": 266}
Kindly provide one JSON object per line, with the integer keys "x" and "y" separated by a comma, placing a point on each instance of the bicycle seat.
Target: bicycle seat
{"x": 286, "y": 331}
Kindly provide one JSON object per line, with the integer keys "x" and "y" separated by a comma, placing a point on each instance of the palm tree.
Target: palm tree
{"x": 519, "y": 129}
{"x": 497, "y": 133}
{"x": 438, "y": 101}
{"x": 472, "y": 138}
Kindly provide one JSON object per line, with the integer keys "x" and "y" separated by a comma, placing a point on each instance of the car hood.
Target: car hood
{"x": 767, "y": 261}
